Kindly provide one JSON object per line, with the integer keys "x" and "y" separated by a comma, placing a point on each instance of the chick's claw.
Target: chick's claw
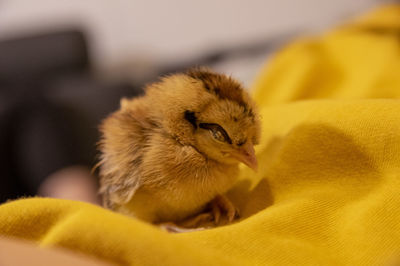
{"x": 221, "y": 205}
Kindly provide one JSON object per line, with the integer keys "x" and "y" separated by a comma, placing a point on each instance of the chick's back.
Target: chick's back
{"x": 125, "y": 134}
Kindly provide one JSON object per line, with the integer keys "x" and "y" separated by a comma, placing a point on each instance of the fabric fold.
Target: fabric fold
{"x": 328, "y": 185}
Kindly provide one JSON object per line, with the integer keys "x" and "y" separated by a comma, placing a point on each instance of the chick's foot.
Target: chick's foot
{"x": 221, "y": 206}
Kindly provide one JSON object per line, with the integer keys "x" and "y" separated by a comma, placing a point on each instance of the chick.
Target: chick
{"x": 169, "y": 154}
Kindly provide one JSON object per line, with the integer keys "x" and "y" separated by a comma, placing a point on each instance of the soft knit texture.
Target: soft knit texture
{"x": 328, "y": 187}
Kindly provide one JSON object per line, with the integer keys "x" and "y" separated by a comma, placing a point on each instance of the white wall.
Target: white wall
{"x": 162, "y": 30}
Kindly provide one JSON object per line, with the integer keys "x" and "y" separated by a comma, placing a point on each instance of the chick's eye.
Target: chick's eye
{"x": 217, "y": 132}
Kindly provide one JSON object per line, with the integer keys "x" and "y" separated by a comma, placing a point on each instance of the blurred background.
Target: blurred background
{"x": 64, "y": 65}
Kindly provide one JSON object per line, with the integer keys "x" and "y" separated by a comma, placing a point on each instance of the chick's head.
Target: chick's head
{"x": 227, "y": 133}
{"x": 227, "y": 127}
{"x": 211, "y": 112}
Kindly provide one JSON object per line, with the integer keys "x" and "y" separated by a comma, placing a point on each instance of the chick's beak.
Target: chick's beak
{"x": 247, "y": 155}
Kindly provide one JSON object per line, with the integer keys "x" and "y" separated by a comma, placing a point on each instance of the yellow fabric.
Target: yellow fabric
{"x": 328, "y": 188}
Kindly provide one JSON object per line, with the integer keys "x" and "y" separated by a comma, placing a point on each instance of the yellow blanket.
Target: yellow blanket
{"x": 328, "y": 188}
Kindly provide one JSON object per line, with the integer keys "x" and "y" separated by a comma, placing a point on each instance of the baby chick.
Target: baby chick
{"x": 167, "y": 155}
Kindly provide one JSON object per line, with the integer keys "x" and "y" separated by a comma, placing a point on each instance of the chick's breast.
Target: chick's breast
{"x": 177, "y": 181}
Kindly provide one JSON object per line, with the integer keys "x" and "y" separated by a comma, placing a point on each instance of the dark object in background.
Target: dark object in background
{"x": 43, "y": 56}
{"x": 50, "y": 107}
